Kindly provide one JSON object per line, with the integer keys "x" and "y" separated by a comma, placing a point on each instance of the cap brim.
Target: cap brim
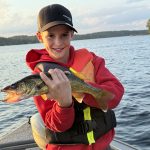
{"x": 54, "y": 23}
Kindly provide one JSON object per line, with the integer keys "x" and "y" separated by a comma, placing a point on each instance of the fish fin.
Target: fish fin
{"x": 78, "y": 96}
{"x": 40, "y": 86}
{"x": 44, "y": 96}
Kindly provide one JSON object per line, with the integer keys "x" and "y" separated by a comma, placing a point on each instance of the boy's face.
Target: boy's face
{"x": 57, "y": 42}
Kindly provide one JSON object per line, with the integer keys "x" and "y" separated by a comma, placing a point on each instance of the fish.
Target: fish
{"x": 33, "y": 85}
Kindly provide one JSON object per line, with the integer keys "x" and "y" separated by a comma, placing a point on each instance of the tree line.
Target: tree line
{"x": 148, "y": 25}
{"x": 24, "y": 39}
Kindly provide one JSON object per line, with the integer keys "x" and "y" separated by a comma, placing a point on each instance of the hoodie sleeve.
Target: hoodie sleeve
{"x": 107, "y": 81}
{"x": 54, "y": 116}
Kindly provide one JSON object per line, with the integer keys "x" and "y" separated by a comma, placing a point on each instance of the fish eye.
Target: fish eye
{"x": 13, "y": 86}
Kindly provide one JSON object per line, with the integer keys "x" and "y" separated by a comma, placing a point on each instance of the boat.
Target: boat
{"x": 21, "y": 139}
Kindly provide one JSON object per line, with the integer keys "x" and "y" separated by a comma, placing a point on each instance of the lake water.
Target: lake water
{"x": 126, "y": 57}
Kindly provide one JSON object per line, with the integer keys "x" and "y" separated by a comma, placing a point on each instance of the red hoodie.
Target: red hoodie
{"x": 56, "y": 118}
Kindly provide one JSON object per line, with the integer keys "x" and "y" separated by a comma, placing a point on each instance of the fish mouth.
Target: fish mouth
{"x": 11, "y": 96}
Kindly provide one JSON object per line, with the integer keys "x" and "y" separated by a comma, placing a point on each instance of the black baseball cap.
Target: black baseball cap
{"x": 53, "y": 15}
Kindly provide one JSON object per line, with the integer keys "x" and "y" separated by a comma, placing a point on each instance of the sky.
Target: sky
{"x": 19, "y": 17}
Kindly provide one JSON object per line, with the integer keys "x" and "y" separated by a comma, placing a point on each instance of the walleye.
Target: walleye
{"x": 33, "y": 85}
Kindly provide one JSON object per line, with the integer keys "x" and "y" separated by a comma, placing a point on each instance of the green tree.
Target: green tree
{"x": 148, "y": 25}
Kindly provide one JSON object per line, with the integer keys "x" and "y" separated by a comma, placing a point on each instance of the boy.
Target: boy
{"x": 70, "y": 120}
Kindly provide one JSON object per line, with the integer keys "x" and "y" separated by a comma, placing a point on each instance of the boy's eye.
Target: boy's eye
{"x": 65, "y": 34}
{"x": 50, "y": 36}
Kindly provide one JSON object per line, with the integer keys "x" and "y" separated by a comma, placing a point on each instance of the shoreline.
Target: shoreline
{"x": 25, "y": 39}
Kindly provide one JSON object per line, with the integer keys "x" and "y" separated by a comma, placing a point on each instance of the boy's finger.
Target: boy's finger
{"x": 45, "y": 78}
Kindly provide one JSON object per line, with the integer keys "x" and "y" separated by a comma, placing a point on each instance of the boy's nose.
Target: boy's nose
{"x": 58, "y": 41}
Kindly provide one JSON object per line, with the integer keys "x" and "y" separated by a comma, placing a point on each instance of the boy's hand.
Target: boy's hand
{"x": 59, "y": 87}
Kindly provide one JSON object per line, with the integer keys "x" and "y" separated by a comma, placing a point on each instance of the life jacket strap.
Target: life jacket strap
{"x": 87, "y": 117}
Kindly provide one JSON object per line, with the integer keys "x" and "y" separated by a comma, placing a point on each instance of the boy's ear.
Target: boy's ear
{"x": 39, "y": 37}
